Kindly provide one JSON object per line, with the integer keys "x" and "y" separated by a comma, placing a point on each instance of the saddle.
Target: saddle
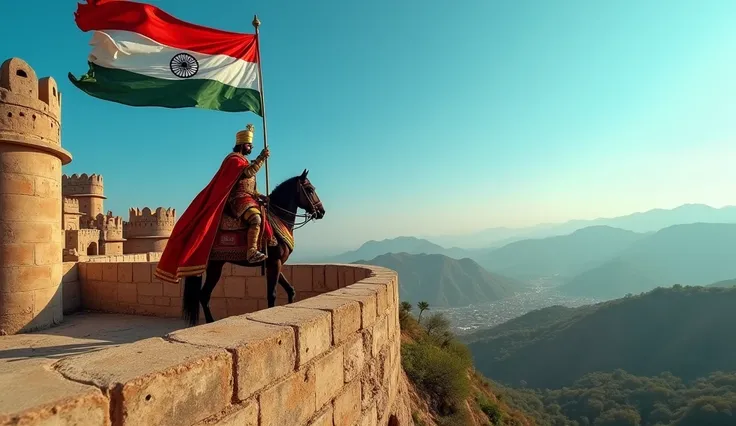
{"x": 228, "y": 222}
{"x": 231, "y": 240}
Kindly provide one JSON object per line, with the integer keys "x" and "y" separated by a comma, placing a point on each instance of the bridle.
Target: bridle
{"x": 307, "y": 217}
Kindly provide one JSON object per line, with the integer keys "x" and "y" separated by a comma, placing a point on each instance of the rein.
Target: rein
{"x": 307, "y": 217}
{"x": 293, "y": 224}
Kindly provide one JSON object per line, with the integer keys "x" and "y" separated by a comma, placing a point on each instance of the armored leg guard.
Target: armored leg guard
{"x": 254, "y": 229}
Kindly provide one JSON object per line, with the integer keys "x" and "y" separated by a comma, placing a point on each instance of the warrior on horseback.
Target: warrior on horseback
{"x": 245, "y": 202}
{"x": 227, "y": 223}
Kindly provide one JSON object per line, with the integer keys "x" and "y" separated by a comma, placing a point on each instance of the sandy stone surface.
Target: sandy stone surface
{"x": 28, "y": 379}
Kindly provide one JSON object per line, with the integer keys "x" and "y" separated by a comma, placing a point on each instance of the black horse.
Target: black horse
{"x": 289, "y": 196}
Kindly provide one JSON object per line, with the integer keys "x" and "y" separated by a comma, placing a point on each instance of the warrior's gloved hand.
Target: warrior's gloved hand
{"x": 265, "y": 153}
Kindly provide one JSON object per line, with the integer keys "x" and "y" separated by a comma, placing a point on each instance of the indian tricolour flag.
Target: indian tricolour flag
{"x": 142, "y": 56}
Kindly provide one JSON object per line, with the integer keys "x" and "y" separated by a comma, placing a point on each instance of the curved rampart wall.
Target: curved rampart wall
{"x": 330, "y": 359}
{"x": 131, "y": 288}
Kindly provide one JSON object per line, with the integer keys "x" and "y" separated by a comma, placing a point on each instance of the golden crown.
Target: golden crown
{"x": 245, "y": 136}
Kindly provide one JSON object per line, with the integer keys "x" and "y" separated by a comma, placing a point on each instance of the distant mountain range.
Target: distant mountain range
{"x": 564, "y": 256}
{"x": 410, "y": 245}
{"x": 599, "y": 261}
{"x": 684, "y": 330}
{"x": 693, "y": 254}
{"x": 445, "y": 282}
{"x": 641, "y": 222}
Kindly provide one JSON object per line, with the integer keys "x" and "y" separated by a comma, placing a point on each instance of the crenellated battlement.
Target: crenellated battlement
{"x": 71, "y": 205}
{"x": 30, "y": 109}
{"x": 111, "y": 226}
{"x": 78, "y": 185}
{"x": 146, "y": 215}
{"x": 147, "y": 223}
{"x": 108, "y": 221}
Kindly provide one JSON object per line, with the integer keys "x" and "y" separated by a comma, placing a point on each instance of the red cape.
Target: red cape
{"x": 188, "y": 248}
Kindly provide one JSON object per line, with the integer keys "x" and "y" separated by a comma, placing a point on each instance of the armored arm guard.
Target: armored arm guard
{"x": 254, "y": 166}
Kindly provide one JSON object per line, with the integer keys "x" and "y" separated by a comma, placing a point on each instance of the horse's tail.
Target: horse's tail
{"x": 190, "y": 300}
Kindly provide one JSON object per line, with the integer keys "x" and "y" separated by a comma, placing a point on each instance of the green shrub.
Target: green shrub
{"x": 441, "y": 374}
{"x": 490, "y": 409}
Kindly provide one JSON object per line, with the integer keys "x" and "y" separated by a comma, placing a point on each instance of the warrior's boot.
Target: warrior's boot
{"x": 254, "y": 229}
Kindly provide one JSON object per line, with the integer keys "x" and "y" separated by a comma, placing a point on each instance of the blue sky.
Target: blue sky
{"x": 422, "y": 117}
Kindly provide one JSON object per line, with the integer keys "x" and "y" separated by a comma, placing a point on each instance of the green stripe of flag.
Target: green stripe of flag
{"x": 133, "y": 89}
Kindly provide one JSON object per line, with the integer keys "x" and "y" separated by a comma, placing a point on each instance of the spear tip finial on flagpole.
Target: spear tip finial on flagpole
{"x": 256, "y": 22}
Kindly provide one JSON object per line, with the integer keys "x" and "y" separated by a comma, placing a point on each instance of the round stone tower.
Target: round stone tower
{"x": 148, "y": 231}
{"x": 31, "y": 238}
{"x": 89, "y": 190}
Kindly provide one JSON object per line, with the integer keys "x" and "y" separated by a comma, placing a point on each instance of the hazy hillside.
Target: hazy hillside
{"x": 641, "y": 222}
{"x": 445, "y": 282}
{"x": 565, "y": 256}
{"x": 687, "y": 331}
{"x": 724, "y": 283}
{"x": 410, "y": 245}
{"x": 695, "y": 254}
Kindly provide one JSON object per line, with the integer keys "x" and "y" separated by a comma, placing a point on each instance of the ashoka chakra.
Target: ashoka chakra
{"x": 184, "y": 65}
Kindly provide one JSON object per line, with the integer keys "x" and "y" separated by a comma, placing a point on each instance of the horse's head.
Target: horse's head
{"x": 308, "y": 199}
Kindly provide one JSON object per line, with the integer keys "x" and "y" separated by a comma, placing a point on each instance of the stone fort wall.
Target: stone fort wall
{"x": 330, "y": 359}
{"x": 333, "y": 358}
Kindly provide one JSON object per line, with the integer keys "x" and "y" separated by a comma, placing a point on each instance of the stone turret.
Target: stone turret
{"x": 148, "y": 231}
{"x": 31, "y": 208}
{"x": 111, "y": 233}
{"x": 88, "y": 190}
{"x": 71, "y": 214}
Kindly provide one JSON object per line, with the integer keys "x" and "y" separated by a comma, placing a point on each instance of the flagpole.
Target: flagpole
{"x": 256, "y": 24}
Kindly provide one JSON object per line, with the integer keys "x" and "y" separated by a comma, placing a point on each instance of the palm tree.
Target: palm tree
{"x": 423, "y": 306}
{"x": 406, "y": 307}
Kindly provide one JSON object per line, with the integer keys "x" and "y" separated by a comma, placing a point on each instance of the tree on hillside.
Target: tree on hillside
{"x": 423, "y": 306}
{"x": 404, "y": 314}
{"x": 438, "y": 328}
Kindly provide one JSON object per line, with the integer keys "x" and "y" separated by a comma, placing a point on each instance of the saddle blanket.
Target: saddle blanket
{"x": 230, "y": 245}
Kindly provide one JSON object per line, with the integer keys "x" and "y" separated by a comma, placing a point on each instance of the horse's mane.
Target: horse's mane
{"x": 278, "y": 193}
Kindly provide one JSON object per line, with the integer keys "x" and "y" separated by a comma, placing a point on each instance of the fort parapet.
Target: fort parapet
{"x": 332, "y": 358}
{"x": 83, "y": 185}
{"x": 30, "y": 109}
{"x": 147, "y": 230}
{"x": 147, "y": 223}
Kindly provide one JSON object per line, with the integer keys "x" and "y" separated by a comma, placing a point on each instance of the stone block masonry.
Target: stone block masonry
{"x": 314, "y": 362}
{"x": 131, "y": 288}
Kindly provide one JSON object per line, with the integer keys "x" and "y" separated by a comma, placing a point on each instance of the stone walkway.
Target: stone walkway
{"x": 25, "y": 359}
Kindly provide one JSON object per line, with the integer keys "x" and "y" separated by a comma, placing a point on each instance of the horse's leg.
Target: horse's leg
{"x": 214, "y": 271}
{"x": 273, "y": 270}
{"x": 290, "y": 291}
